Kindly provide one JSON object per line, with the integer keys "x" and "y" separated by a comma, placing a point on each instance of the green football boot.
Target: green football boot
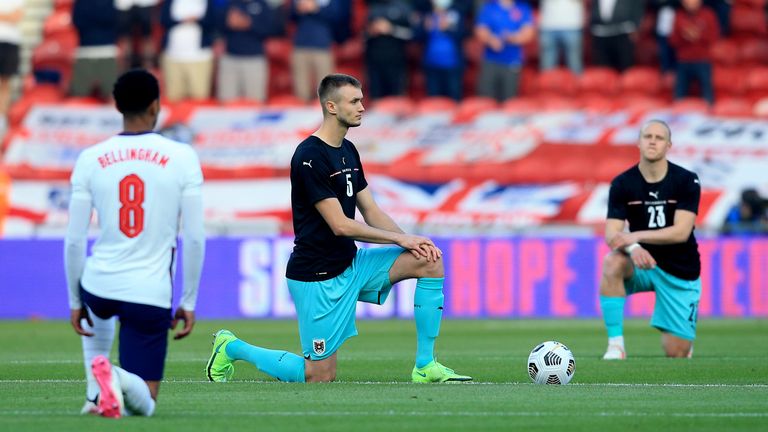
{"x": 436, "y": 372}
{"x": 220, "y": 367}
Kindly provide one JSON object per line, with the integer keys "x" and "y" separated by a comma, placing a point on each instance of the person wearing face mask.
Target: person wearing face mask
{"x": 441, "y": 31}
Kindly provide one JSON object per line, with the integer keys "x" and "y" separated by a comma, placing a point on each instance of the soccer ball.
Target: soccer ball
{"x": 551, "y": 363}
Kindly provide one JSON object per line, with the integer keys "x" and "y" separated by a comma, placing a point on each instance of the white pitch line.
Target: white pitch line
{"x": 395, "y": 413}
{"x": 389, "y": 383}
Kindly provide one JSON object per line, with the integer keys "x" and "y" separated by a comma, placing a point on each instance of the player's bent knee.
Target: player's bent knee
{"x": 615, "y": 264}
{"x": 432, "y": 269}
{"x": 325, "y": 376}
{"x": 676, "y": 347}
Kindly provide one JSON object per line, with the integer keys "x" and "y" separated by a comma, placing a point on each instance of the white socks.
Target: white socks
{"x": 138, "y": 400}
{"x": 616, "y": 341}
{"x": 136, "y": 394}
{"x": 98, "y": 344}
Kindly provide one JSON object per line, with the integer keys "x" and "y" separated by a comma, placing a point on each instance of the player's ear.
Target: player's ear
{"x": 330, "y": 107}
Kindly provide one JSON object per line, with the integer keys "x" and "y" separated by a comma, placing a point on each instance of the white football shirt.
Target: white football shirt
{"x": 137, "y": 184}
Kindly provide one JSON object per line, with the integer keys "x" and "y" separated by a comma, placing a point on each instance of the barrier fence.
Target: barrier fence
{"x": 485, "y": 278}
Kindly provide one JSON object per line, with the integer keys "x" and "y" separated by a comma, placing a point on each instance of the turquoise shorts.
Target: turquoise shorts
{"x": 326, "y": 309}
{"x": 677, "y": 300}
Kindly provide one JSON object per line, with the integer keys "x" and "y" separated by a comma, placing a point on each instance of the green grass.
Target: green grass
{"x": 724, "y": 387}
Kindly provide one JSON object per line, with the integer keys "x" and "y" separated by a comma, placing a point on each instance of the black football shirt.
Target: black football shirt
{"x": 320, "y": 171}
{"x": 651, "y": 206}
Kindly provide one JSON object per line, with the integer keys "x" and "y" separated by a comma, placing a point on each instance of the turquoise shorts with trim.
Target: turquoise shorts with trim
{"x": 677, "y": 300}
{"x": 326, "y": 309}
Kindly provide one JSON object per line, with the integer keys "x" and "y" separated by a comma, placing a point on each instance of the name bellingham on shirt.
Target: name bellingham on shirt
{"x": 132, "y": 154}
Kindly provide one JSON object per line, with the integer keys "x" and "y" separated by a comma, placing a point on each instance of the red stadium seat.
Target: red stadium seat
{"x": 242, "y": 103}
{"x": 55, "y": 51}
{"x": 560, "y": 82}
{"x": 63, "y": 4}
{"x": 350, "y": 52}
{"x": 753, "y": 52}
{"x": 286, "y": 101}
{"x": 521, "y": 105}
{"x": 472, "y": 106}
{"x": 599, "y": 81}
{"x": 760, "y": 109}
{"x": 598, "y": 104}
{"x": 280, "y": 80}
{"x": 732, "y": 107}
{"x": 646, "y": 51}
{"x": 640, "y": 81}
{"x": 57, "y": 22}
{"x": 399, "y": 105}
{"x": 559, "y": 103}
{"x": 757, "y": 82}
{"x": 748, "y": 22}
{"x": 529, "y": 82}
{"x": 690, "y": 104}
{"x": 473, "y": 50}
{"x": 42, "y": 93}
{"x": 725, "y": 52}
{"x": 435, "y": 104}
{"x": 754, "y": 4}
{"x": 278, "y": 50}
{"x": 640, "y": 105}
{"x": 729, "y": 82}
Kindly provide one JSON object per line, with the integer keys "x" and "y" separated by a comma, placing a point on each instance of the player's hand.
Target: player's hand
{"x": 189, "y": 321}
{"x": 642, "y": 258}
{"x": 622, "y": 240}
{"x": 76, "y": 316}
{"x": 420, "y": 247}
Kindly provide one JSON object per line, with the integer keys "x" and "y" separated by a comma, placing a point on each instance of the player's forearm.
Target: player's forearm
{"x": 365, "y": 233}
{"x": 382, "y": 221}
{"x": 75, "y": 247}
{"x": 670, "y": 235}
{"x": 193, "y": 232}
{"x": 74, "y": 263}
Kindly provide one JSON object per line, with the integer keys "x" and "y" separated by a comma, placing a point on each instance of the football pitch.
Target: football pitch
{"x": 723, "y": 388}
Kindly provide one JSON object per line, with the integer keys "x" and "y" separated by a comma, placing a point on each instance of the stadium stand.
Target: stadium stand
{"x": 499, "y": 136}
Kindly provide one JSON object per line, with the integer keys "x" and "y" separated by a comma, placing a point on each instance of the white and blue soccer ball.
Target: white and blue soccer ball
{"x": 551, "y": 362}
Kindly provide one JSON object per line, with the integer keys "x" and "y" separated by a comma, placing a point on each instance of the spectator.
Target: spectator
{"x": 11, "y": 12}
{"x": 693, "y": 35}
{"x": 443, "y": 59}
{"x": 749, "y": 216}
{"x": 136, "y": 19}
{"x": 243, "y": 69}
{"x": 187, "y": 61}
{"x": 312, "y": 58}
{"x": 665, "y": 21}
{"x": 560, "y": 30}
{"x": 503, "y": 27}
{"x": 387, "y": 35}
{"x": 614, "y": 25}
{"x": 722, "y": 9}
{"x": 96, "y": 57}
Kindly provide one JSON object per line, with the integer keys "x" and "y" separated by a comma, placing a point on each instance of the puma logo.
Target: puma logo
{"x": 653, "y": 194}
{"x": 309, "y": 164}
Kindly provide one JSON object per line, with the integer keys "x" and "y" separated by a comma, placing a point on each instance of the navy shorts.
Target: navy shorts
{"x": 143, "y": 333}
{"x": 9, "y": 59}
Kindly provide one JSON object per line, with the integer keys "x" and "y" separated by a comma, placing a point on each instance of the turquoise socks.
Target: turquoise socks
{"x": 613, "y": 314}
{"x": 427, "y": 312}
{"x": 282, "y": 365}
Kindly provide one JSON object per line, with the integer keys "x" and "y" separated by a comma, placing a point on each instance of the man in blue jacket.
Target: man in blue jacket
{"x": 243, "y": 69}
{"x": 96, "y": 57}
{"x": 312, "y": 58}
